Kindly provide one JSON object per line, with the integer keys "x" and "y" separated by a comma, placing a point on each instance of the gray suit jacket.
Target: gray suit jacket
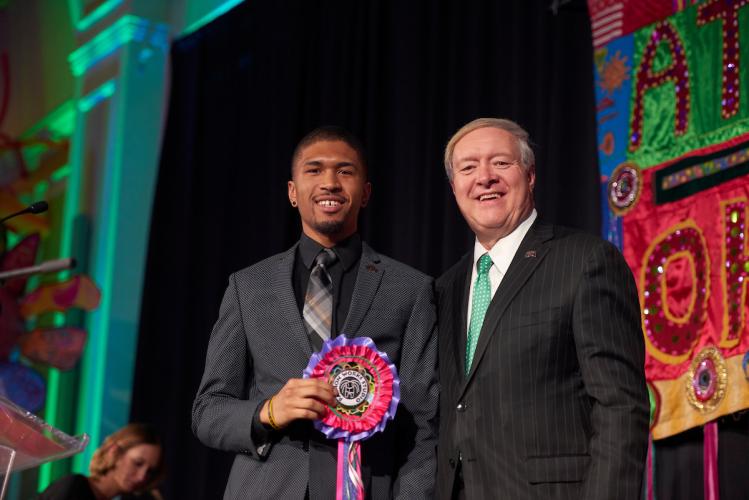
{"x": 555, "y": 405}
{"x": 259, "y": 342}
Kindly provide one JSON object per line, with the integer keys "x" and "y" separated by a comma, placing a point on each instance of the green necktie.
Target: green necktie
{"x": 482, "y": 295}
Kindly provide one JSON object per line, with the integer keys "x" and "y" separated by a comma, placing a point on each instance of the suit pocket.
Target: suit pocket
{"x": 557, "y": 469}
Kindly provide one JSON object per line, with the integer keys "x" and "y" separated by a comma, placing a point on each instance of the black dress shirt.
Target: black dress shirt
{"x": 343, "y": 276}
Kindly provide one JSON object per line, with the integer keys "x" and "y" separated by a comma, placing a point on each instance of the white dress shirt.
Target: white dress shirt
{"x": 501, "y": 254}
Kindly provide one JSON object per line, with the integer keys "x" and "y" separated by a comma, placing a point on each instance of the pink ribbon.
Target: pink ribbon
{"x": 349, "y": 485}
{"x": 650, "y": 470}
{"x": 710, "y": 457}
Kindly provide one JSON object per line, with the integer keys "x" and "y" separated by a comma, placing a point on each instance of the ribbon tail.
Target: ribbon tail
{"x": 650, "y": 471}
{"x": 354, "y": 465}
{"x": 710, "y": 454}
{"x": 340, "y": 468}
{"x": 349, "y": 485}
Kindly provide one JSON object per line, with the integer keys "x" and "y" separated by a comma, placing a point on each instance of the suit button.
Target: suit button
{"x": 461, "y": 406}
{"x": 451, "y": 462}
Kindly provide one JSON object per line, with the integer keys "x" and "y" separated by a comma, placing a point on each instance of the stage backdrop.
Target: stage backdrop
{"x": 403, "y": 76}
{"x": 672, "y": 91}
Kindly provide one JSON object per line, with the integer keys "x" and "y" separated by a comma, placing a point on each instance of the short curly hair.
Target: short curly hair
{"x": 331, "y": 133}
{"x": 122, "y": 440}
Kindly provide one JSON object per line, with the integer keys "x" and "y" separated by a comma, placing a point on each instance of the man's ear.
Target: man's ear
{"x": 292, "y": 193}
{"x": 367, "y": 194}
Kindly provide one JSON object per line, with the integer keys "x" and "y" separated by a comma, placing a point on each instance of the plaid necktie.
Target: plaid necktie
{"x": 318, "y": 302}
{"x": 482, "y": 295}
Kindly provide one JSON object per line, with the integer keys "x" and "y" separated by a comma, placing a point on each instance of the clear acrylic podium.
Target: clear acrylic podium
{"x": 27, "y": 441}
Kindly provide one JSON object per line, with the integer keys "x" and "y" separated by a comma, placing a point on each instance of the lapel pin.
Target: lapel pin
{"x": 530, "y": 254}
{"x": 371, "y": 268}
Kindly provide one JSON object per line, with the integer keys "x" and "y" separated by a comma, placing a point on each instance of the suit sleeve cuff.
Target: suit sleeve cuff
{"x": 262, "y": 435}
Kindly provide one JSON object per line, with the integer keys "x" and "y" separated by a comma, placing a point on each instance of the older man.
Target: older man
{"x": 541, "y": 351}
{"x": 252, "y": 400}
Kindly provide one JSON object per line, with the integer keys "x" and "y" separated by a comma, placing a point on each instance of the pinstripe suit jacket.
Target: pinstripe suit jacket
{"x": 555, "y": 405}
{"x": 259, "y": 342}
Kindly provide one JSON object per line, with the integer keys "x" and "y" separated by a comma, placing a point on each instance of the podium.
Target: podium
{"x": 27, "y": 441}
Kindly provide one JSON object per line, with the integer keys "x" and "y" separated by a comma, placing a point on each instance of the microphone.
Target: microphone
{"x": 34, "y": 208}
{"x": 50, "y": 266}
{"x": 38, "y": 207}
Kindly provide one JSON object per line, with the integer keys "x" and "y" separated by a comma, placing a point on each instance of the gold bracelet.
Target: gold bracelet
{"x": 272, "y": 421}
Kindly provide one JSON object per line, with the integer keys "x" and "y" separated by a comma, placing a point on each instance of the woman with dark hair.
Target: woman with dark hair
{"x": 128, "y": 464}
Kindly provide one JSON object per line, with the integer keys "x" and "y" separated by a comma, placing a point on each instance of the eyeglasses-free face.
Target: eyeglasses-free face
{"x": 329, "y": 186}
{"x": 494, "y": 191}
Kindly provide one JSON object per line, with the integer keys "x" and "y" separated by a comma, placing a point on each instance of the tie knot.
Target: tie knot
{"x": 325, "y": 258}
{"x": 484, "y": 264}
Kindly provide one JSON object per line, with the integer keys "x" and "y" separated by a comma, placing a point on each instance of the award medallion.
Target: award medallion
{"x": 368, "y": 392}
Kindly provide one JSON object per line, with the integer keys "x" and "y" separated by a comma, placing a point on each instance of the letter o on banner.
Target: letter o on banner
{"x": 674, "y": 292}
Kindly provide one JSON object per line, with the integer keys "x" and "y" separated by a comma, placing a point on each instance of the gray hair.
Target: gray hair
{"x": 527, "y": 158}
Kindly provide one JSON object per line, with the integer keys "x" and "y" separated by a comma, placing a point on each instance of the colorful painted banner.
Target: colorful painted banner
{"x": 673, "y": 131}
{"x": 56, "y": 347}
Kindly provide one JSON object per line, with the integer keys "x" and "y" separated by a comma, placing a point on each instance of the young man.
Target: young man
{"x": 278, "y": 311}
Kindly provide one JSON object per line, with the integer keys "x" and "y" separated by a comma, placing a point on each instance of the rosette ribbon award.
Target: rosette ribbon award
{"x": 368, "y": 395}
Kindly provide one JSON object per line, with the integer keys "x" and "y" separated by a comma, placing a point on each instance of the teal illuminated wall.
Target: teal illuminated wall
{"x": 118, "y": 63}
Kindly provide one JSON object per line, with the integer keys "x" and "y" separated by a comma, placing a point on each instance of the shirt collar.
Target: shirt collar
{"x": 348, "y": 250}
{"x": 504, "y": 250}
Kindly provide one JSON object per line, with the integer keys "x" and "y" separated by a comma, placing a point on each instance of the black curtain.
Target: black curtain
{"x": 403, "y": 75}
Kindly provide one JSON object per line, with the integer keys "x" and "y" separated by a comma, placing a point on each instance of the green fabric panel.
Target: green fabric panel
{"x": 703, "y": 46}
